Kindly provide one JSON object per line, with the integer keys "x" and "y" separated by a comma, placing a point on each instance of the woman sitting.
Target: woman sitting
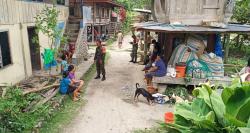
{"x": 158, "y": 69}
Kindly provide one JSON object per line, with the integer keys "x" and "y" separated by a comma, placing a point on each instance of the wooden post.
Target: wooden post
{"x": 168, "y": 46}
{"x": 211, "y": 43}
{"x": 93, "y": 25}
{"x": 224, "y": 40}
{"x": 227, "y": 48}
{"x": 146, "y": 43}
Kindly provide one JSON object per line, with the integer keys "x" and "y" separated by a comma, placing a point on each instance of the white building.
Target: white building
{"x": 19, "y": 57}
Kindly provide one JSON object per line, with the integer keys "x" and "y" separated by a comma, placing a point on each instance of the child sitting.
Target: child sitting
{"x": 71, "y": 76}
{"x": 68, "y": 87}
{"x": 64, "y": 63}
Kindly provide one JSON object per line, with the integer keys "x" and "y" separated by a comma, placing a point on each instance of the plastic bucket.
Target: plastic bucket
{"x": 180, "y": 71}
{"x": 169, "y": 117}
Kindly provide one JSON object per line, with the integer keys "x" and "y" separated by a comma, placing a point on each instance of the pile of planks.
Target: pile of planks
{"x": 46, "y": 86}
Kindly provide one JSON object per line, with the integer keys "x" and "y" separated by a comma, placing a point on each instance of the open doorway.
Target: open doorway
{"x": 34, "y": 50}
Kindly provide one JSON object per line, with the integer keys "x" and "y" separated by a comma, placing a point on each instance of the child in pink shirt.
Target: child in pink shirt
{"x": 72, "y": 77}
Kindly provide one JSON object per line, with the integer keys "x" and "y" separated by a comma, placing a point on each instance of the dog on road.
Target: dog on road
{"x": 141, "y": 91}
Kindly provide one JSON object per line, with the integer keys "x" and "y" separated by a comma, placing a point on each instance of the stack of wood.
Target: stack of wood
{"x": 45, "y": 85}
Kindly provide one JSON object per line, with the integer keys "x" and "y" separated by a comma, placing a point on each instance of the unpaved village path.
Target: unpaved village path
{"x": 110, "y": 107}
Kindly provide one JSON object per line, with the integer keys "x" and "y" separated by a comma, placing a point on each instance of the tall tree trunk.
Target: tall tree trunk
{"x": 224, "y": 40}
{"x": 237, "y": 40}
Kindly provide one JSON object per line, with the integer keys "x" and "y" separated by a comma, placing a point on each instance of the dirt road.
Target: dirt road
{"x": 110, "y": 107}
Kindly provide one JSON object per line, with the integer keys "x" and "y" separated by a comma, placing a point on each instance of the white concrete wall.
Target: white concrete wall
{"x": 15, "y": 71}
{"x": 19, "y": 47}
{"x": 20, "y": 52}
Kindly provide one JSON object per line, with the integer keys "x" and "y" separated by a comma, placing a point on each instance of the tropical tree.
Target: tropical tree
{"x": 242, "y": 11}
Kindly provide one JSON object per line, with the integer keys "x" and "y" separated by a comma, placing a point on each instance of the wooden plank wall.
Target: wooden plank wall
{"x": 186, "y": 9}
{"x": 13, "y": 11}
{"x": 7, "y": 12}
{"x": 189, "y": 11}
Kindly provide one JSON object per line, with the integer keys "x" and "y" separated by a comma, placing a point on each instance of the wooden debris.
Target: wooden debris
{"x": 58, "y": 102}
{"x": 43, "y": 101}
{"x": 42, "y": 87}
{"x": 30, "y": 106}
{"x": 4, "y": 92}
{"x": 47, "y": 75}
{"x": 48, "y": 93}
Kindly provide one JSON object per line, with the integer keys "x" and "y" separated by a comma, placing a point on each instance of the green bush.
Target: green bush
{"x": 178, "y": 90}
{"x": 12, "y": 115}
{"x": 211, "y": 112}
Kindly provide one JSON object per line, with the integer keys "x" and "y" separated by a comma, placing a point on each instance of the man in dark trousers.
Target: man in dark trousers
{"x": 99, "y": 59}
{"x": 134, "y": 49}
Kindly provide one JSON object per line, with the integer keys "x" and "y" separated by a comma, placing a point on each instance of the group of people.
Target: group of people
{"x": 69, "y": 84}
{"x": 154, "y": 65}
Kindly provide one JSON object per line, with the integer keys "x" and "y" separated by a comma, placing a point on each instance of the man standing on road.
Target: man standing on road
{"x": 120, "y": 38}
{"x": 134, "y": 49}
{"x": 99, "y": 59}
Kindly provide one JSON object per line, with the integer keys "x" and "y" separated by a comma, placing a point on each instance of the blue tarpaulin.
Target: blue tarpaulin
{"x": 218, "y": 46}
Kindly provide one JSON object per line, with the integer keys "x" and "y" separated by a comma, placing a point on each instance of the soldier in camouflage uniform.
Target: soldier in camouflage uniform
{"x": 134, "y": 49}
{"x": 99, "y": 59}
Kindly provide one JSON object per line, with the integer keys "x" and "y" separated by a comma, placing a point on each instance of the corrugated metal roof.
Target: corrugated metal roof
{"x": 163, "y": 27}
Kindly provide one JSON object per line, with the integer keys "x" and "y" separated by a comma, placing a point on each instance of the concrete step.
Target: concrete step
{"x": 72, "y": 39}
{"x": 74, "y": 26}
{"x": 71, "y": 34}
{"x": 72, "y": 31}
{"x": 74, "y": 17}
{"x": 74, "y": 22}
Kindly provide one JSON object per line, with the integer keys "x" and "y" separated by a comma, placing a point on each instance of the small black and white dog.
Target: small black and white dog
{"x": 145, "y": 93}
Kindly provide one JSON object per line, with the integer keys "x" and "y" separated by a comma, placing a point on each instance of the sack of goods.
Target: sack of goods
{"x": 196, "y": 44}
{"x": 214, "y": 63}
{"x": 182, "y": 53}
{"x": 197, "y": 69}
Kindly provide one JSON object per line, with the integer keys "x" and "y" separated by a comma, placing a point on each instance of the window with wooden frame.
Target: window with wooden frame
{"x": 5, "y": 55}
{"x": 107, "y": 13}
{"x": 97, "y": 12}
{"x": 103, "y": 12}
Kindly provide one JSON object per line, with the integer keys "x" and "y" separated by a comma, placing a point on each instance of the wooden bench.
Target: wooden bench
{"x": 182, "y": 81}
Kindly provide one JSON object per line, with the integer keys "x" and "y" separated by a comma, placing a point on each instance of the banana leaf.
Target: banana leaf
{"x": 197, "y": 115}
{"x": 196, "y": 111}
{"x": 237, "y": 102}
{"x": 232, "y": 121}
{"x": 214, "y": 102}
{"x": 244, "y": 129}
{"x": 248, "y": 123}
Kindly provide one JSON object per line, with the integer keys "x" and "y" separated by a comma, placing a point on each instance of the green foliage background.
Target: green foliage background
{"x": 242, "y": 11}
{"x": 129, "y": 5}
